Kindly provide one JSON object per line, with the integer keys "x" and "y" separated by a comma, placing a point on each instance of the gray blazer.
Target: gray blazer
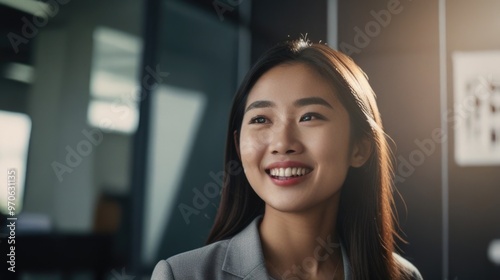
{"x": 239, "y": 257}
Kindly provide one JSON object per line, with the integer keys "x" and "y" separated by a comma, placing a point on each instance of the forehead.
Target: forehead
{"x": 288, "y": 82}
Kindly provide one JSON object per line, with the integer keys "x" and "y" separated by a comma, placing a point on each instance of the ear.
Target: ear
{"x": 361, "y": 152}
{"x": 236, "y": 143}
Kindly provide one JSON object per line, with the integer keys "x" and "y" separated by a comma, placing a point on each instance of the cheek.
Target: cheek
{"x": 331, "y": 147}
{"x": 253, "y": 144}
{"x": 332, "y": 156}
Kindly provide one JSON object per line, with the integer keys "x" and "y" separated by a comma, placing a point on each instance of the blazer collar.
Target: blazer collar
{"x": 244, "y": 257}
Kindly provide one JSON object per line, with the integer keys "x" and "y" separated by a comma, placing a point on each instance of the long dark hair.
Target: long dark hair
{"x": 366, "y": 220}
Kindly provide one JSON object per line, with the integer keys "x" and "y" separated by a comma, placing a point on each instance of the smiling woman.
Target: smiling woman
{"x": 314, "y": 200}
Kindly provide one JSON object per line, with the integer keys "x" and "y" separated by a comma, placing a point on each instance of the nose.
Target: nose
{"x": 285, "y": 140}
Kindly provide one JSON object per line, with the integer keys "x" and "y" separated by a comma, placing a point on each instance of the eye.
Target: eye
{"x": 311, "y": 116}
{"x": 259, "y": 119}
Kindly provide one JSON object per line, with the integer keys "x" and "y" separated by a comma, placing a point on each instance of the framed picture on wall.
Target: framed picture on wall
{"x": 476, "y": 109}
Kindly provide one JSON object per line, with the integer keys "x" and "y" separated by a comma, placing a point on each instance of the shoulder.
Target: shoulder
{"x": 162, "y": 271}
{"x": 408, "y": 268}
{"x": 193, "y": 264}
{"x": 235, "y": 258}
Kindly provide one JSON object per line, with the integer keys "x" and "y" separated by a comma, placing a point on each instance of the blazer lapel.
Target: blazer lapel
{"x": 244, "y": 257}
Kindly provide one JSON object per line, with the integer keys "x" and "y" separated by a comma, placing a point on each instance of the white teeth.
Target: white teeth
{"x": 289, "y": 171}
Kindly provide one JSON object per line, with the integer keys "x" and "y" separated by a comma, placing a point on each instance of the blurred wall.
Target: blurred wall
{"x": 276, "y": 21}
{"x": 474, "y": 190}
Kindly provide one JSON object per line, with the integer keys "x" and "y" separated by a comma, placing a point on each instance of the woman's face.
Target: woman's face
{"x": 295, "y": 139}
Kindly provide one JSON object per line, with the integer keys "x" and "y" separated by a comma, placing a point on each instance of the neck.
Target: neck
{"x": 302, "y": 244}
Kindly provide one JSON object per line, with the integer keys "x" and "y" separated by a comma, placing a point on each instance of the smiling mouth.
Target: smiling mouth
{"x": 288, "y": 172}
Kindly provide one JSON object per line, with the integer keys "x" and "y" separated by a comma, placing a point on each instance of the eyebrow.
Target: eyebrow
{"x": 311, "y": 101}
{"x": 260, "y": 104}
{"x": 298, "y": 103}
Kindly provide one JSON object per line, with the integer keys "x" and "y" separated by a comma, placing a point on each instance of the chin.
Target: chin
{"x": 289, "y": 207}
{"x": 300, "y": 205}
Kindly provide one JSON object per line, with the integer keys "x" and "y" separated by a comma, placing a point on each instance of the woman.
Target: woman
{"x": 314, "y": 200}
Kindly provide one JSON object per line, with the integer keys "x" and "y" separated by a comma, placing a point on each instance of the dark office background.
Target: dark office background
{"x": 152, "y": 83}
